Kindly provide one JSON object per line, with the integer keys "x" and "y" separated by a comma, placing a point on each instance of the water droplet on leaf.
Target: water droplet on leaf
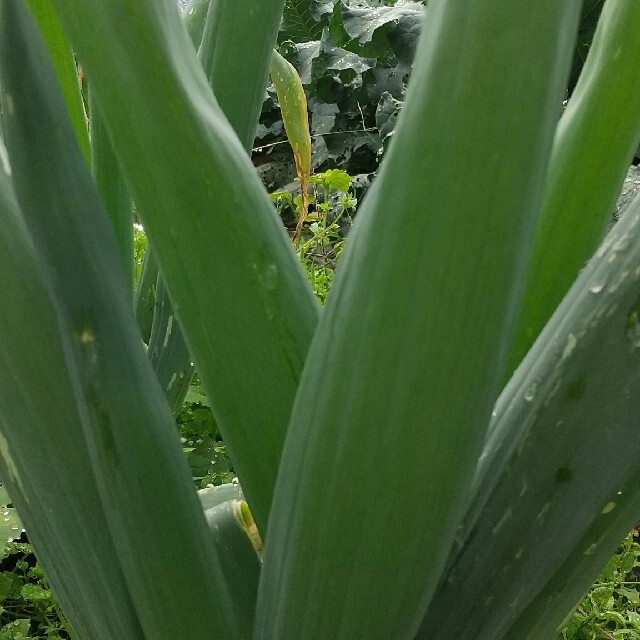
{"x": 530, "y": 393}
{"x": 271, "y": 277}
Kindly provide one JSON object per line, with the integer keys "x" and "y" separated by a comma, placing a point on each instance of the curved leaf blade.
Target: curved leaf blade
{"x": 558, "y": 486}
{"x": 65, "y": 519}
{"x": 595, "y": 142}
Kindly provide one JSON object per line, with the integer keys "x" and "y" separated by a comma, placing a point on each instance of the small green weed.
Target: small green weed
{"x": 320, "y": 243}
{"x": 27, "y": 606}
{"x": 139, "y": 248}
{"x": 610, "y": 611}
{"x": 205, "y": 451}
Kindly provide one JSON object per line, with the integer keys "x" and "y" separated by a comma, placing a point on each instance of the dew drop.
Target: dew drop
{"x": 4, "y": 160}
{"x": 608, "y": 508}
{"x": 623, "y": 243}
{"x": 618, "y": 281}
{"x": 530, "y": 393}
{"x": 569, "y": 346}
{"x": 563, "y": 474}
{"x": 271, "y": 277}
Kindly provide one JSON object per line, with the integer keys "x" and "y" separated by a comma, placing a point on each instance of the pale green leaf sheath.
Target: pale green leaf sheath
{"x": 558, "y": 484}
{"x": 407, "y": 360}
{"x": 238, "y": 290}
{"x": 594, "y": 145}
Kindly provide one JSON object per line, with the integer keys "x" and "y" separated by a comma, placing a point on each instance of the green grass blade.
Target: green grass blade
{"x": 168, "y": 351}
{"x": 237, "y": 286}
{"x": 560, "y": 476}
{"x": 293, "y": 107}
{"x": 39, "y": 430}
{"x": 406, "y": 363}
{"x": 172, "y": 572}
{"x": 595, "y": 142}
{"x": 114, "y": 192}
{"x": 238, "y": 39}
{"x": 65, "y": 66}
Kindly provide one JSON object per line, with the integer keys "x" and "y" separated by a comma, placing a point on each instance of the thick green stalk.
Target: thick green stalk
{"x": 407, "y": 360}
{"x": 65, "y": 66}
{"x": 558, "y": 485}
{"x": 595, "y": 142}
{"x": 238, "y": 72}
{"x": 214, "y": 496}
{"x": 239, "y": 292}
{"x": 44, "y": 460}
{"x": 168, "y": 351}
{"x": 172, "y": 573}
{"x": 112, "y": 187}
{"x": 240, "y": 562}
